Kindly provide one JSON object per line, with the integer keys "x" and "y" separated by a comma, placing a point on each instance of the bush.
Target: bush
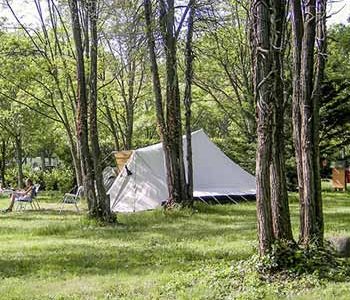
{"x": 51, "y": 180}
{"x": 64, "y": 179}
{"x": 11, "y": 175}
{"x": 290, "y": 259}
{"x": 58, "y": 179}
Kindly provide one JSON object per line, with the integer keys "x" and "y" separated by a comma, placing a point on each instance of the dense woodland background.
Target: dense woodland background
{"x": 49, "y": 108}
{"x": 268, "y": 81}
{"x": 38, "y": 86}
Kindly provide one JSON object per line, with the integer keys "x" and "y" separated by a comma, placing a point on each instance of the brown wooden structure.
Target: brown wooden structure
{"x": 339, "y": 176}
{"x": 121, "y": 158}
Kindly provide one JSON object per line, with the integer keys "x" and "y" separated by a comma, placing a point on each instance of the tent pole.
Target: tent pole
{"x": 200, "y": 198}
{"x": 245, "y": 199}
{"x": 235, "y": 202}
{"x": 217, "y": 201}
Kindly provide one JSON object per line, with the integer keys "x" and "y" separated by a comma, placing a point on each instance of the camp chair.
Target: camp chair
{"x": 72, "y": 198}
{"x": 34, "y": 203}
{"x": 6, "y": 192}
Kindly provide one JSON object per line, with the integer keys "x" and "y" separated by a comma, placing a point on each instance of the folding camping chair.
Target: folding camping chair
{"x": 72, "y": 198}
{"x": 21, "y": 204}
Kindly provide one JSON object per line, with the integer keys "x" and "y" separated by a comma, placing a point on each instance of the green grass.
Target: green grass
{"x": 152, "y": 255}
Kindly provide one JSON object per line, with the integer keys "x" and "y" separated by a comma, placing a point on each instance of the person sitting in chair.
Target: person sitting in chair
{"x": 22, "y": 195}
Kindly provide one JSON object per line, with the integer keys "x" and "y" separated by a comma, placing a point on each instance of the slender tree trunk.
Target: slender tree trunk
{"x": 3, "y": 162}
{"x": 130, "y": 125}
{"x": 130, "y": 106}
{"x": 158, "y": 94}
{"x": 82, "y": 112}
{"x": 262, "y": 91}
{"x": 297, "y": 26}
{"x": 19, "y": 160}
{"x": 321, "y": 12}
{"x": 104, "y": 211}
{"x": 279, "y": 196}
{"x": 188, "y": 102}
{"x": 76, "y": 163}
{"x": 42, "y": 158}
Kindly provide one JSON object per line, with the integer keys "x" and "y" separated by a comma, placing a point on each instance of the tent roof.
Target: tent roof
{"x": 214, "y": 174}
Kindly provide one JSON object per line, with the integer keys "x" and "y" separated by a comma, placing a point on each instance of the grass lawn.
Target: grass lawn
{"x": 152, "y": 255}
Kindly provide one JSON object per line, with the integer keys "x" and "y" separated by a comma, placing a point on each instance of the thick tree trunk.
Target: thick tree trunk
{"x": 177, "y": 193}
{"x": 188, "y": 102}
{"x": 82, "y": 112}
{"x": 262, "y": 91}
{"x": 103, "y": 209}
{"x": 279, "y": 196}
{"x": 313, "y": 229}
{"x": 297, "y": 26}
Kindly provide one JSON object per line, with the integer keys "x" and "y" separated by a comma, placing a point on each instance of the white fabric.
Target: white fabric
{"x": 214, "y": 174}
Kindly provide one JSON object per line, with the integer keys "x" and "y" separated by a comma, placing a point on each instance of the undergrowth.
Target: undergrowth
{"x": 287, "y": 270}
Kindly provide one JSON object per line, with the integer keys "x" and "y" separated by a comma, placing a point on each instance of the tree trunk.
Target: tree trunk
{"x": 158, "y": 93}
{"x": 297, "y": 27}
{"x": 188, "y": 102}
{"x": 177, "y": 193}
{"x": 3, "y": 163}
{"x": 262, "y": 92}
{"x": 279, "y": 196}
{"x": 321, "y": 12}
{"x": 82, "y": 112}
{"x": 313, "y": 231}
{"x": 42, "y": 159}
{"x": 103, "y": 210}
{"x": 19, "y": 160}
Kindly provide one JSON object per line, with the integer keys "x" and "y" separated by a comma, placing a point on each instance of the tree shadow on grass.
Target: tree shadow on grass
{"x": 83, "y": 259}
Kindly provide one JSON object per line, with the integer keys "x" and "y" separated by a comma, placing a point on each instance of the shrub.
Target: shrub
{"x": 51, "y": 180}
{"x": 64, "y": 177}
{"x": 58, "y": 179}
{"x": 11, "y": 175}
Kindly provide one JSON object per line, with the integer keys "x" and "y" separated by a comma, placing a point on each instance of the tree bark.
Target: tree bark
{"x": 103, "y": 202}
{"x": 279, "y": 196}
{"x": 262, "y": 92}
{"x": 306, "y": 90}
{"x": 19, "y": 160}
{"x": 177, "y": 194}
{"x": 158, "y": 95}
{"x": 82, "y": 112}
{"x": 321, "y": 44}
{"x": 306, "y": 83}
{"x": 188, "y": 102}
{"x": 297, "y": 28}
{"x": 3, "y": 162}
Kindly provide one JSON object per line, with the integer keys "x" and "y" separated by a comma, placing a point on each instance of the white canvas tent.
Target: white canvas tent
{"x": 142, "y": 184}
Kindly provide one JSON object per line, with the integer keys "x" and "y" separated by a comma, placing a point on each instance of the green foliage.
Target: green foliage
{"x": 28, "y": 172}
{"x": 290, "y": 260}
{"x": 58, "y": 179}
